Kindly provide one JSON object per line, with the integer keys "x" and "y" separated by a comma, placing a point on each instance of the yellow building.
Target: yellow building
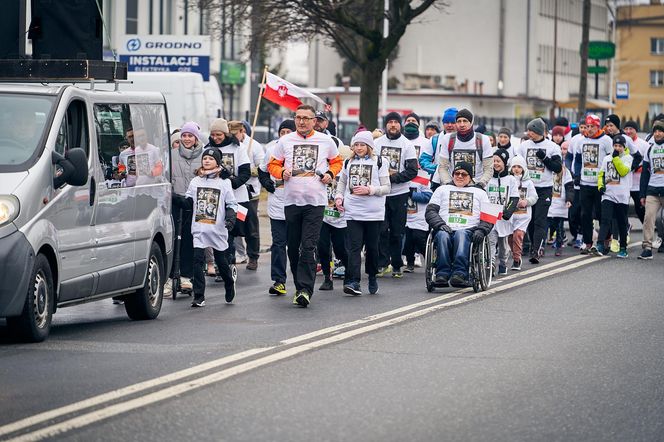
{"x": 640, "y": 60}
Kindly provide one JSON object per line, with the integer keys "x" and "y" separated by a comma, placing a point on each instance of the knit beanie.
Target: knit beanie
{"x": 558, "y": 130}
{"x": 561, "y": 121}
{"x": 593, "y": 120}
{"x": 235, "y": 126}
{"x": 503, "y": 154}
{"x": 377, "y": 133}
{"x": 393, "y": 116}
{"x": 464, "y": 113}
{"x": 450, "y": 114}
{"x": 219, "y": 125}
{"x": 363, "y": 137}
{"x": 247, "y": 127}
{"x": 433, "y": 125}
{"x": 613, "y": 118}
{"x": 214, "y": 153}
{"x": 175, "y": 137}
{"x": 287, "y": 124}
{"x": 658, "y": 126}
{"x": 411, "y": 131}
{"x": 414, "y": 115}
{"x": 619, "y": 139}
{"x": 537, "y": 125}
{"x": 464, "y": 165}
{"x": 191, "y": 128}
{"x": 632, "y": 124}
{"x": 506, "y": 131}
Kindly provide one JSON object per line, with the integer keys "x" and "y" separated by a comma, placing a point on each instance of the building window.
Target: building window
{"x": 656, "y": 78}
{"x": 655, "y": 109}
{"x": 131, "y": 22}
{"x": 657, "y": 46}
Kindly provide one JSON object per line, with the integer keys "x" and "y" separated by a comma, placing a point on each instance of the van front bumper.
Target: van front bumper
{"x": 16, "y": 261}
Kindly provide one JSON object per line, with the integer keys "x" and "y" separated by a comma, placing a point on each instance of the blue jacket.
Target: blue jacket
{"x": 427, "y": 162}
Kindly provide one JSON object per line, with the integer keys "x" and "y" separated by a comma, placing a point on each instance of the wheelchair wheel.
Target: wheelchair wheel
{"x": 485, "y": 268}
{"x": 430, "y": 262}
{"x": 473, "y": 271}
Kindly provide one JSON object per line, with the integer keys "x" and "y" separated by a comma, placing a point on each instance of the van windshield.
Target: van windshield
{"x": 22, "y": 121}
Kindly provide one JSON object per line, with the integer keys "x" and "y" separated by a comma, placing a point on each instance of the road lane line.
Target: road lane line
{"x": 190, "y": 385}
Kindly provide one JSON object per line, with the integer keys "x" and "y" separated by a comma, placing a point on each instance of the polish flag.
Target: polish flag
{"x": 491, "y": 213}
{"x": 241, "y": 212}
{"x": 422, "y": 178}
{"x": 286, "y": 94}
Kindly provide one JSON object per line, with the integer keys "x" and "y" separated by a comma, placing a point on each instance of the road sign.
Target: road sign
{"x": 622, "y": 90}
{"x": 233, "y": 72}
{"x": 597, "y": 69}
{"x": 601, "y": 50}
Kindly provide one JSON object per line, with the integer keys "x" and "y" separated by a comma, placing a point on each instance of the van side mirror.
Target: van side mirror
{"x": 72, "y": 168}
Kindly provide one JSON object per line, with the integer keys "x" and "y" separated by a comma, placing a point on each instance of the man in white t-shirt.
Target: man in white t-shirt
{"x": 454, "y": 214}
{"x": 631, "y": 129}
{"x": 305, "y": 194}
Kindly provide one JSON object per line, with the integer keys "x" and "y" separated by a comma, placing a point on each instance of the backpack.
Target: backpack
{"x": 379, "y": 162}
{"x": 478, "y": 145}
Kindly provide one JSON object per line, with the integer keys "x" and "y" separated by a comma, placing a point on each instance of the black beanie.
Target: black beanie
{"x": 465, "y": 113}
{"x": 214, "y": 153}
{"x": 392, "y": 116}
{"x": 613, "y": 118}
{"x": 464, "y": 165}
{"x": 632, "y": 124}
{"x": 503, "y": 154}
{"x": 414, "y": 115}
{"x": 561, "y": 121}
{"x": 619, "y": 139}
{"x": 287, "y": 124}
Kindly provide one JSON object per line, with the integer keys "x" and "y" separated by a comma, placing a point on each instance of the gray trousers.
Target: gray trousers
{"x": 501, "y": 245}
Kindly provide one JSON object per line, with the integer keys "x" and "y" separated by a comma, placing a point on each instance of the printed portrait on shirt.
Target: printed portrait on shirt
{"x": 228, "y": 162}
{"x": 331, "y": 192}
{"x": 533, "y": 162}
{"x": 143, "y": 164}
{"x": 657, "y": 165}
{"x": 392, "y": 156}
{"x": 497, "y": 194}
{"x": 131, "y": 165}
{"x": 359, "y": 175}
{"x": 417, "y": 152}
{"x": 411, "y": 207}
{"x": 523, "y": 193}
{"x": 611, "y": 176}
{"x": 557, "y": 190}
{"x": 207, "y": 205}
{"x": 589, "y": 155}
{"x": 461, "y": 203}
{"x": 305, "y": 159}
{"x": 464, "y": 156}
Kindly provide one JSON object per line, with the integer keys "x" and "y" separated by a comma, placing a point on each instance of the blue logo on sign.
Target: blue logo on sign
{"x": 134, "y": 44}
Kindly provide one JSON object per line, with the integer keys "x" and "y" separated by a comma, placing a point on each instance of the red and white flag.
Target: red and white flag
{"x": 422, "y": 178}
{"x": 491, "y": 213}
{"x": 241, "y": 212}
{"x": 286, "y": 94}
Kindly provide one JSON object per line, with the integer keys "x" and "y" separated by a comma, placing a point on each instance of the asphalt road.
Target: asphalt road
{"x": 570, "y": 350}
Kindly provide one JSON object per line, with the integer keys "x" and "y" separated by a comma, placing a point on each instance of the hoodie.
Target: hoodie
{"x": 527, "y": 191}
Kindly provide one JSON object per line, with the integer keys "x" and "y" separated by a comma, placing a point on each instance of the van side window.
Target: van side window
{"x": 73, "y": 130}
{"x": 152, "y": 143}
{"x": 114, "y": 140}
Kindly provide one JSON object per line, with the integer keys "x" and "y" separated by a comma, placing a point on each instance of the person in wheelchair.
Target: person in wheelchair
{"x": 454, "y": 216}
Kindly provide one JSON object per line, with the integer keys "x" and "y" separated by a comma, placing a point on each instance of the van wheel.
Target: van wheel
{"x": 146, "y": 302}
{"x": 34, "y": 324}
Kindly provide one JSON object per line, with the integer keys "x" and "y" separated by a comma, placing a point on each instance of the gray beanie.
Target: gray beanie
{"x": 537, "y": 125}
{"x": 506, "y": 131}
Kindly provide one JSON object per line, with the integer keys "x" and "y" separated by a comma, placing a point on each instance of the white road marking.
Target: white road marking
{"x": 190, "y": 385}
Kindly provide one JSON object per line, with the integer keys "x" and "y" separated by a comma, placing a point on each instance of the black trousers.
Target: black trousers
{"x": 416, "y": 242}
{"x": 278, "y": 257}
{"x": 186, "y": 242}
{"x": 392, "y": 229}
{"x": 638, "y": 207}
{"x": 362, "y": 234}
{"x": 303, "y": 229}
{"x": 249, "y": 230}
{"x": 574, "y": 215}
{"x": 590, "y": 201}
{"x": 613, "y": 212}
{"x": 221, "y": 259}
{"x": 539, "y": 221}
{"x": 331, "y": 238}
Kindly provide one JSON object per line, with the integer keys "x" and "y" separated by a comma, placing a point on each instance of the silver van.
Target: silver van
{"x": 85, "y": 202}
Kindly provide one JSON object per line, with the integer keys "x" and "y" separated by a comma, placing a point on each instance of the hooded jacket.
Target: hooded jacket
{"x": 525, "y": 180}
{"x": 185, "y": 163}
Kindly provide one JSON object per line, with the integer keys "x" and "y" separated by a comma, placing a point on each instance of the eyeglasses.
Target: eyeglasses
{"x": 304, "y": 119}
{"x": 461, "y": 173}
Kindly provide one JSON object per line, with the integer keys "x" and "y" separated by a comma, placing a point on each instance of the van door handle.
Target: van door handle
{"x": 93, "y": 190}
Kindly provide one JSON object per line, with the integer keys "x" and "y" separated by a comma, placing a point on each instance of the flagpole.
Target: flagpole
{"x": 258, "y": 104}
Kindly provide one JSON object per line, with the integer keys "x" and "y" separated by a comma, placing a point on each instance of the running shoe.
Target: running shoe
{"x": 516, "y": 264}
{"x": 301, "y": 298}
{"x": 646, "y": 254}
{"x": 409, "y": 269}
{"x": 384, "y": 271}
{"x": 326, "y": 285}
{"x": 198, "y": 302}
{"x": 352, "y": 288}
{"x": 373, "y": 285}
{"x": 277, "y": 288}
{"x": 615, "y": 246}
{"x": 622, "y": 254}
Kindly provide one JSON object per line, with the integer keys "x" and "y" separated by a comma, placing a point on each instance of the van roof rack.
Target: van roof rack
{"x": 61, "y": 71}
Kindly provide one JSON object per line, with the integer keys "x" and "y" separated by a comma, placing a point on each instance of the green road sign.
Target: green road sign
{"x": 232, "y": 72}
{"x": 597, "y": 69}
{"x": 601, "y": 50}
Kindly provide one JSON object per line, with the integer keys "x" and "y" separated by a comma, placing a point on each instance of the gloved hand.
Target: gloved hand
{"x": 224, "y": 174}
{"x": 577, "y": 180}
{"x": 615, "y": 154}
{"x": 602, "y": 189}
{"x": 478, "y": 236}
{"x": 231, "y": 217}
{"x": 446, "y": 228}
{"x": 541, "y": 154}
{"x": 269, "y": 186}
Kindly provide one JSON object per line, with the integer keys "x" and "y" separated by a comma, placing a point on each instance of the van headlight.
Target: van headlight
{"x": 8, "y": 209}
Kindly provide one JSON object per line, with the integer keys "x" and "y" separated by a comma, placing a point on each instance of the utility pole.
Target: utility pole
{"x": 552, "y": 115}
{"x": 583, "y": 82}
{"x": 386, "y": 33}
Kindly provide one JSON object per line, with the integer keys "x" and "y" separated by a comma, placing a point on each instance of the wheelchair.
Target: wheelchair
{"x": 480, "y": 272}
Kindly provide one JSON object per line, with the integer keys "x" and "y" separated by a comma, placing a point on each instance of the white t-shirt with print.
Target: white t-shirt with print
{"x": 415, "y": 219}
{"x": 500, "y": 192}
{"x": 593, "y": 151}
{"x": 331, "y": 215}
{"x": 539, "y": 174}
{"x": 655, "y": 156}
{"x": 140, "y": 164}
{"x": 641, "y": 146}
{"x": 232, "y": 157}
{"x": 558, "y": 207}
{"x": 465, "y": 151}
{"x": 617, "y": 187}
{"x": 304, "y": 157}
{"x": 395, "y": 153}
{"x": 275, "y": 200}
{"x": 255, "y": 158}
{"x": 420, "y": 144}
{"x": 459, "y": 206}
{"x": 521, "y": 216}
{"x": 363, "y": 172}
{"x": 210, "y": 195}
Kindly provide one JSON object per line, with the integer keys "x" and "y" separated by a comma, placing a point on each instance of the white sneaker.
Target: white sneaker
{"x": 168, "y": 288}
{"x": 656, "y": 242}
{"x": 418, "y": 260}
{"x": 185, "y": 284}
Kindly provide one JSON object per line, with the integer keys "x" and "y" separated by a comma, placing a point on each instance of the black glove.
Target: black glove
{"x": 224, "y": 174}
{"x": 577, "y": 180}
{"x": 231, "y": 216}
{"x": 478, "y": 185}
{"x": 602, "y": 189}
{"x": 446, "y": 228}
{"x": 269, "y": 186}
{"x": 478, "y": 236}
{"x": 615, "y": 153}
{"x": 541, "y": 154}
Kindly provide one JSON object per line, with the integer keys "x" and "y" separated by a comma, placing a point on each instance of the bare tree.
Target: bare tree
{"x": 355, "y": 28}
